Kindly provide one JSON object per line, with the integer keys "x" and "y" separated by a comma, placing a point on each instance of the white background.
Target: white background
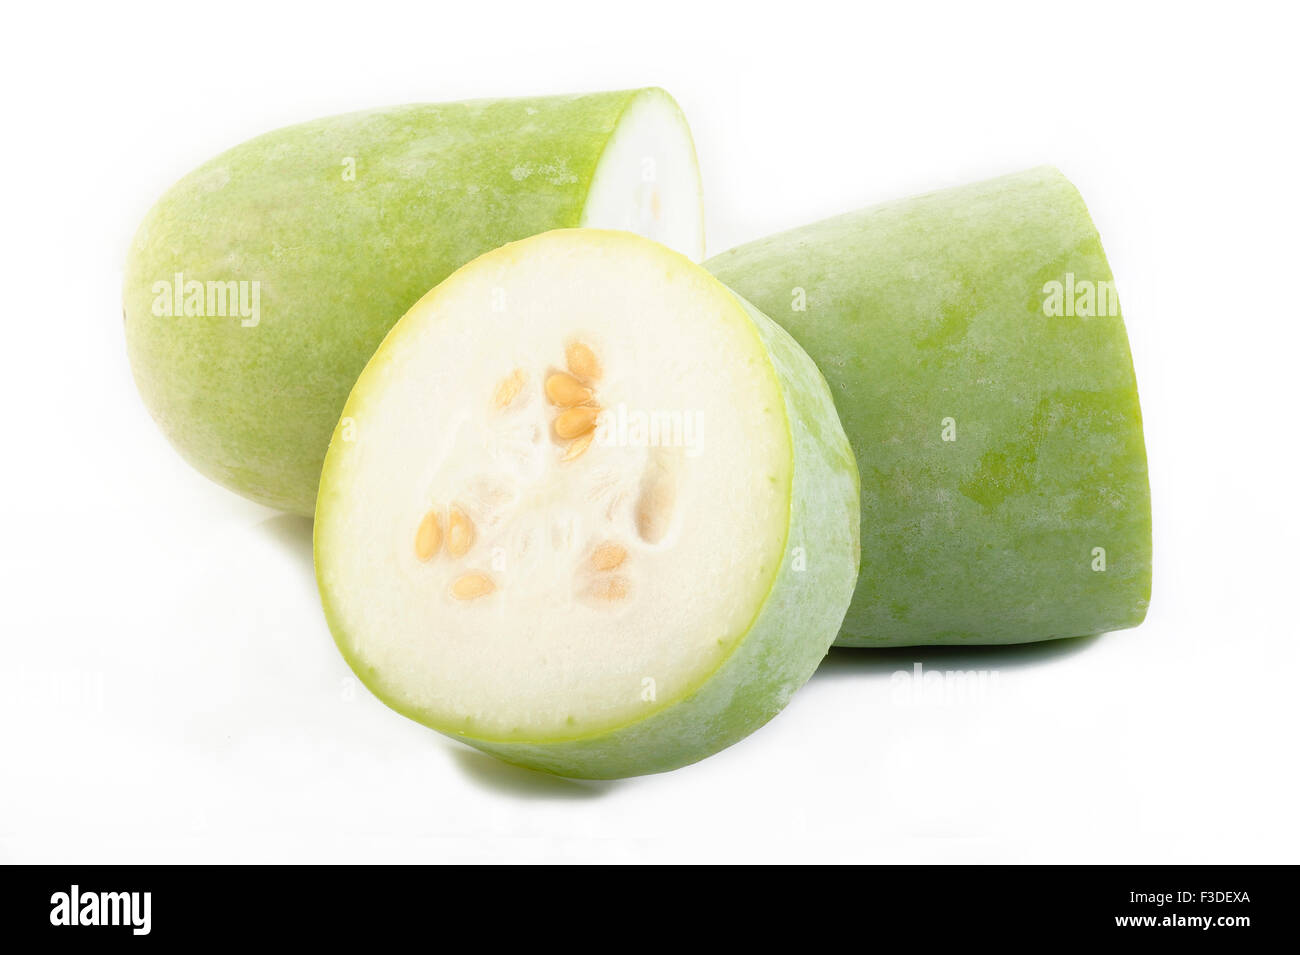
{"x": 169, "y": 689}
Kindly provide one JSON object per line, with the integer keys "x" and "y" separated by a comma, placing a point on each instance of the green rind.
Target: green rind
{"x": 338, "y": 262}
{"x": 932, "y": 308}
{"x": 791, "y": 632}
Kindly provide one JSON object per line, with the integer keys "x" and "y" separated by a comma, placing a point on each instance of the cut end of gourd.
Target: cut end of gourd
{"x": 648, "y": 179}
{"x": 561, "y": 493}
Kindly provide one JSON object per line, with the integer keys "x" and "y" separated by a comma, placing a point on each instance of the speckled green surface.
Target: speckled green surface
{"x": 338, "y": 261}
{"x": 933, "y": 308}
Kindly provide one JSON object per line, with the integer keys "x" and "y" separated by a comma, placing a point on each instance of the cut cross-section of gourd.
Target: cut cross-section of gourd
{"x": 588, "y": 510}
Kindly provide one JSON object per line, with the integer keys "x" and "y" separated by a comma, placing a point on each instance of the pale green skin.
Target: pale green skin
{"x": 792, "y": 629}
{"x": 338, "y": 261}
{"x": 932, "y": 308}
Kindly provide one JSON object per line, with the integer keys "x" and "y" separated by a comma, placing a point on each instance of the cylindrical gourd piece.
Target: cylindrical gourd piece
{"x": 633, "y": 591}
{"x": 259, "y": 285}
{"x": 976, "y": 351}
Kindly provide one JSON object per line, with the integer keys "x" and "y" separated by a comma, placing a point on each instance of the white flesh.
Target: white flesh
{"x": 544, "y": 656}
{"x": 648, "y": 181}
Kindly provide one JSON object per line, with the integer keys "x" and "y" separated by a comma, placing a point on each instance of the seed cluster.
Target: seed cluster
{"x": 572, "y": 394}
{"x": 459, "y": 538}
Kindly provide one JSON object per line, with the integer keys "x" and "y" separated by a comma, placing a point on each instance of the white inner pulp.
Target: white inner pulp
{"x": 618, "y": 578}
{"x": 647, "y": 180}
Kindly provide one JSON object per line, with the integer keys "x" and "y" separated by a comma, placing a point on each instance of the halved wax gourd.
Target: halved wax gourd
{"x": 260, "y": 284}
{"x": 974, "y": 344}
{"x": 657, "y": 508}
